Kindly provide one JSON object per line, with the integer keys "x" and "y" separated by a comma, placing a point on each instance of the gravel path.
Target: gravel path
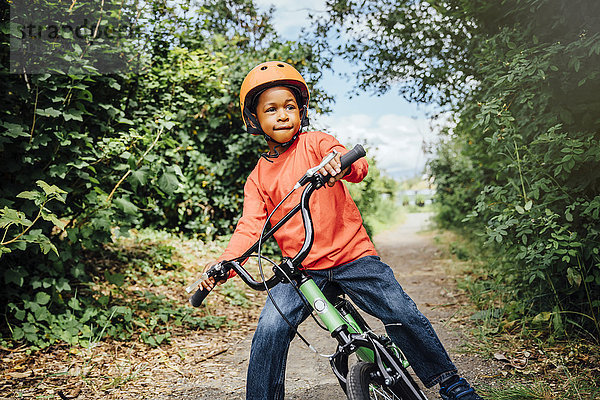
{"x": 418, "y": 266}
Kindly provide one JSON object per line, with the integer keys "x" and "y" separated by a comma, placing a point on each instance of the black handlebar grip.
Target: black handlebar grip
{"x": 197, "y": 298}
{"x": 350, "y": 157}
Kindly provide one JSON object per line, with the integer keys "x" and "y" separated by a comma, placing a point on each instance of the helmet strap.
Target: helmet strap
{"x": 304, "y": 117}
{"x": 285, "y": 145}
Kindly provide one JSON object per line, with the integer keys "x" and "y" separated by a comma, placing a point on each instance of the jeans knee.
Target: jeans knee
{"x": 273, "y": 325}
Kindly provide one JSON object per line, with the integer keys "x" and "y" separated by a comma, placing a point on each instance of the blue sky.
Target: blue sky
{"x": 393, "y": 128}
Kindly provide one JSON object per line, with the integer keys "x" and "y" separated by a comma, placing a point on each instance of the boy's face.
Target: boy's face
{"x": 278, "y": 113}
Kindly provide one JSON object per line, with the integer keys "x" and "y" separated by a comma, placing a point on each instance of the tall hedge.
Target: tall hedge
{"x": 521, "y": 166}
{"x": 86, "y": 155}
{"x": 519, "y": 169}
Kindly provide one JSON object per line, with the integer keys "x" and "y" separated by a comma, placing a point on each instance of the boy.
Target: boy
{"x": 274, "y": 100}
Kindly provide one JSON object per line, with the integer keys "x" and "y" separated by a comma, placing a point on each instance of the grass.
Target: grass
{"x": 519, "y": 391}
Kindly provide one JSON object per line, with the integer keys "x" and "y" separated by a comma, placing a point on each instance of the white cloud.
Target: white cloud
{"x": 291, "y": 15}
{"x": 395, "y": 141}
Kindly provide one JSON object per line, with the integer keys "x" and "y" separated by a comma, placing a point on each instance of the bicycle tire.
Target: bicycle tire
{"x": 361, "y": 385}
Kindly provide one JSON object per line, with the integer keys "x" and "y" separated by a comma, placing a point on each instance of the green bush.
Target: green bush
{"x": 520, "y": 168}
{"x": 375, "y": 197}
{"x": 162, "y": 145}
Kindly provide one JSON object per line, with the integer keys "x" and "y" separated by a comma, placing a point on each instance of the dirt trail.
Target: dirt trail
{"x": 410, "y": 250}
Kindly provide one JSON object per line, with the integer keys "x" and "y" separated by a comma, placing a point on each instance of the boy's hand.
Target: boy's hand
{"x": 333, "y": 168}
{"x": 210, "y": 283}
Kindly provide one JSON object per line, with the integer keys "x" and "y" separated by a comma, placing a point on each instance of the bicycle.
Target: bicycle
{"x": 381, "y": 372}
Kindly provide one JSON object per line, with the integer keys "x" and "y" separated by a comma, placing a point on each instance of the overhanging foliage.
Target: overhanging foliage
{"x": 520, "y": 169}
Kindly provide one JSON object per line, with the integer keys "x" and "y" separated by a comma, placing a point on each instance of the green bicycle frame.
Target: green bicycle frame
{"x": 331, "y": 317}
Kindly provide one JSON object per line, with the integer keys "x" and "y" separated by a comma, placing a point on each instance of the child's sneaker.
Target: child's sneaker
{"x": 458, "y": 389}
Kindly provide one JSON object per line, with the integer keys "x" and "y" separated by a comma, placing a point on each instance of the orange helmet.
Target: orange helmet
{"x": 264, "y": 76}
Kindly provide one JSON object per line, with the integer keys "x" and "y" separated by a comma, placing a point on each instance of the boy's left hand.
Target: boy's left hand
{"x": 333, "y": 168}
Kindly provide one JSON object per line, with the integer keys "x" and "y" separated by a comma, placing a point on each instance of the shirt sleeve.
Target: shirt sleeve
{"x": 326, "y": 143}
{"x": 248, "y": 228}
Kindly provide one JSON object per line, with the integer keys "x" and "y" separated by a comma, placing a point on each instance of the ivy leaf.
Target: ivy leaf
{"x": 51, "y": 189}
{"x": 62, "y": 285}
{"x": 74, "y": 304}
{"x": 9, "y": 216}
{"x": 46, "y": 245}
{"x": 73, "y": 114}
{"x": 168, "y": 183}
{"x": 15, "y": 276}
{"x": 125, "y": 205}
{"x": 29, "y": 195}
{"x": 42, "y": 298}
{"x": 139, "y": 177}
{"x": 114, "y": 84}
{"x": 14, "y": 130}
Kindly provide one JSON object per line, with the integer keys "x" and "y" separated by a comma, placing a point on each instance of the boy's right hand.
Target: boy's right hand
{"x": 210, "y": 283}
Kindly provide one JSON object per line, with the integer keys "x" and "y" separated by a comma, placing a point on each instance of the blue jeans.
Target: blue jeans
{"x": 371, "y": 285}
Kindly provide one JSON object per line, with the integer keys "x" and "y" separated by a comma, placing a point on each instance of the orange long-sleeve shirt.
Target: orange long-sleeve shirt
{"x": 339, "y": 234}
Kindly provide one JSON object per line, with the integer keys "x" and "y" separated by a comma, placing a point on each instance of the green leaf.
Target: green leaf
{"x": 114, "y": 84}
{"x": 14, "y": 130}
{"x": 20, "y": 314}
{"x": 8, "y": 216}
{"x": 528, "y": 205}
{"x": 574, "y": 277}
{"x": 103, "y": 300}
{"x": 168, "y": 183}
{"x": 126, "y": 121}
{"x": 29, "y": 195}
{"x": 569, "y": 216}
{"x": 57, "y": 222}
{"x": 115, "y": 279}
{"x": 15, "y": 276}
{"x": 48, "y": 112}
{"x": 62, "y": 285}
{"x": 18, "y": 333}
{"x": 140, "y": 176}
{"x": 74, "y": 304}
{"x": 542, "y": 317}
{"x": 42, "y": 298}
{"x": 576, "y": 64}
{"x": 73, "y": 114}
{"x": 125, "y": 205}
{"x": 50, "y": 189}
{"x": 46, "y": 245}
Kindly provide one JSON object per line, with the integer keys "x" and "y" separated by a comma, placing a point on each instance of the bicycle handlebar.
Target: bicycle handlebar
{"x": 349, "y": 158}
{"x": 220, "y": 271}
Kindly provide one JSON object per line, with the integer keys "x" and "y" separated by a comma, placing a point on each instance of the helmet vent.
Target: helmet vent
{"x": 263, "y": 68}
{"x": 280, "y": 65}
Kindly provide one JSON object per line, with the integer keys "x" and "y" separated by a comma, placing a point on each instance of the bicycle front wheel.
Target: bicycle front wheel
{"x": 363, "y": 384}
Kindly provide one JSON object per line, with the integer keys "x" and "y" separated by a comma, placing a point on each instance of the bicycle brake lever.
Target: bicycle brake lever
{"x": 196, "y": 284}
{"x": 312, "y": 171}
